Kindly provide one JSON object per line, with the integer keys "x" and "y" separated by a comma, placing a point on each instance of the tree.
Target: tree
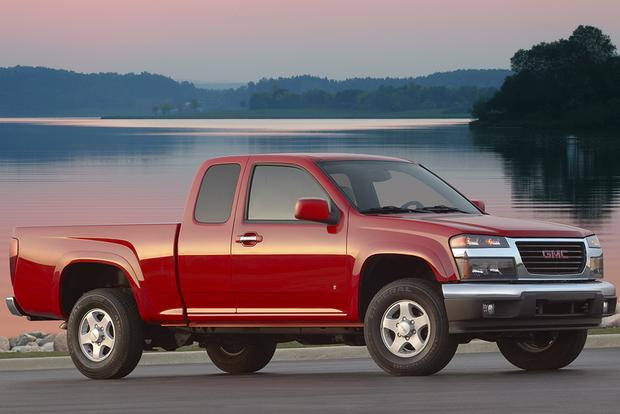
{"x": 194, "y": 104}
{"x": 586, "y": 44}
{"x": 166, "y": 108}
{"x": 574, "y": 81}
{"x": 596, "y": 45}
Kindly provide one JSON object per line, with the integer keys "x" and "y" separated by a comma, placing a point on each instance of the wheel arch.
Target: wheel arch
{"x": 79, "y": 273}
{"x": 380, "y": 269}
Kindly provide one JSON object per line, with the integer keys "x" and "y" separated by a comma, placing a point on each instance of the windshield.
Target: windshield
{"x": 386, "y": 187}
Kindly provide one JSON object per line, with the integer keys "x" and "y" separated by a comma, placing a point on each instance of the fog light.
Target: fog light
{"x": 488, "y": 309}
{"x": 605, "y": 307}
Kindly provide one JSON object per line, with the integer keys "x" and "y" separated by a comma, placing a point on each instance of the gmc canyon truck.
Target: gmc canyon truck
{"x": 320, "y": 249}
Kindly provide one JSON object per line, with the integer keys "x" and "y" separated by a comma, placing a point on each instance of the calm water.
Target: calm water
{"x": 81, "y": 171}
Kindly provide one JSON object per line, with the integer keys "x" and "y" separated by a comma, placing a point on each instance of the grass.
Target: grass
{"x": 604, "y": 331}
{"x": 193, "y": 348}
{"x": 304, "y": 114}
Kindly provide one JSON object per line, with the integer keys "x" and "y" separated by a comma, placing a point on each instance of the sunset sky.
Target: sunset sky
{"x": 237, "y": 40}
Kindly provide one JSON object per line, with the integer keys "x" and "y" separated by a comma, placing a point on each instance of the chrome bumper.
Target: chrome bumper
{"x": 508, "y": 290}
{"x": 14, "y": 308}
{"x": 487, "y": 307}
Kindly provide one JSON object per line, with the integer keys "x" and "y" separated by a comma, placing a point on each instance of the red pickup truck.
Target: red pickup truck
{"x": 321, "y": 249}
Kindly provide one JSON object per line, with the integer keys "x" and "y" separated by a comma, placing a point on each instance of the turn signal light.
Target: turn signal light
{"x": 13, "y": 253}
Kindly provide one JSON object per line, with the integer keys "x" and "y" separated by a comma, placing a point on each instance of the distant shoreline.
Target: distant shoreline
{"x": 543, "y": 124}
{"x": 302, "y": 114}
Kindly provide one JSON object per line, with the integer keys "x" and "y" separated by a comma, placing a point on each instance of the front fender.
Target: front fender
{"x": 371, "y": 241}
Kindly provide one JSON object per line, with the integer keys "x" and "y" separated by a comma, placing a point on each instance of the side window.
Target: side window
{"x": 276, "y": 189}
{"x": 216, "y": 193}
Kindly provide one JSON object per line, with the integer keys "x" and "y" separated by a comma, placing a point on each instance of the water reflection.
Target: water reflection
{"x": 553, "y": 171}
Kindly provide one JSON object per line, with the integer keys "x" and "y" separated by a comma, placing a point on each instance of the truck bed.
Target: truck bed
{"x": 144, "y": 252}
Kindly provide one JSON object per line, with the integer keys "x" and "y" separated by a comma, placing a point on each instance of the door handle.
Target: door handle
{"x": 249, "y": 239}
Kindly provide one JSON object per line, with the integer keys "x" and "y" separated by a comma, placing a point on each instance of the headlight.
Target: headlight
{"x": 469, "y": 241}
{"x": 596, "y": 266}
{"x": 487, "y": 268}
{"x": 476, "y": 259}
{"x": 595, "y": 261}
{"x": 593, "y": 242}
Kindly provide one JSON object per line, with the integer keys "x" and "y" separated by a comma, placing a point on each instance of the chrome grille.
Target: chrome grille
{"x": 553, "y": 258}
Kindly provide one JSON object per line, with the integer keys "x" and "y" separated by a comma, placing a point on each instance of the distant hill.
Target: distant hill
{"x": 481, "y": 78}
{"x": 40, "y": 91}
{"x": 384, "y": 99}
{"x": 218, "y": 86}
{"x": 240, "y": 98}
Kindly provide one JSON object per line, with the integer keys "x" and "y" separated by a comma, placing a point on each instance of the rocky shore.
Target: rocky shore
{"x": 35, "y": 342}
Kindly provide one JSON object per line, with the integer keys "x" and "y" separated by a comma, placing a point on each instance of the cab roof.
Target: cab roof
{"x": 312, "y": 156}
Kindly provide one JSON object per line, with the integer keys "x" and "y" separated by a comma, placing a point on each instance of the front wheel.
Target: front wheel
{"x": 544, "y": 350}
{"x": 105, "y": 334}
{"x": 406, "y": 329}
{"x": 241, "y": 356}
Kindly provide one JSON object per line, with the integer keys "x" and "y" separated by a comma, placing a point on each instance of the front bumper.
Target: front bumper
{"x": 527, "y": 306}
{"x": 14, "y": 308}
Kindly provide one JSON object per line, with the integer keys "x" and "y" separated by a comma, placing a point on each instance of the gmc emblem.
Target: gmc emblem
{"x": 554, "y": 254}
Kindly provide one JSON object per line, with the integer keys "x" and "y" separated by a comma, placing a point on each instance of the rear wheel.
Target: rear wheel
{"x": 406, "y": 329}
{"x": 105, "y": 334}
{"x": 241, "y": 356}
{"x": 544, "y": 350}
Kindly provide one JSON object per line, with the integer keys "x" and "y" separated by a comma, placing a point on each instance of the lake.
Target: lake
{"x": 91, "y": 171}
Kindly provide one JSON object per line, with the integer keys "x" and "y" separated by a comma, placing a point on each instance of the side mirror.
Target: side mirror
{"x": 479, "y": 204}
{"x": 313, "y": 209}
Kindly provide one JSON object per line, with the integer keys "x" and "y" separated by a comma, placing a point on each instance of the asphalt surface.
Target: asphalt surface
{"x": 480, "y": 383}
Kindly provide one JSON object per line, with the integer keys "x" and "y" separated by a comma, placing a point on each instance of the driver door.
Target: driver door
{"x": 284, "y": 268}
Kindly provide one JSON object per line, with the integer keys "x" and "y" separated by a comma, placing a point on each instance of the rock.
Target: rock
{"x": 611, "y": 321}
{"x": 60, "y": 342}
{"x": 4, "y": 344}
{"x": 46, "y": 339}
{"x": 24, "y": 339}
{"x": 37, "y": 334}
{"x": 47, "y": 347}
{"x": 13, "y": 341}
{"x": 30, "y": 347}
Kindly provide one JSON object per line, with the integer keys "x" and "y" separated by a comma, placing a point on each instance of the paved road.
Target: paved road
{"x": 480, "y": 383}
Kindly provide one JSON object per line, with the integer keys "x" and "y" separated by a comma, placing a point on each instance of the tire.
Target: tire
{"x": 119, "y": 330}
{"x": 427, "y": 346}
{"x": 544, "y": 350}
{"x": 241, "y": 356}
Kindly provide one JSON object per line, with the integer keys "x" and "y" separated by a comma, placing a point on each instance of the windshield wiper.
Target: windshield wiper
{"x": 391, "y": 210}
{"x": 441, "y": 209}
{"x": 397, "y": 210}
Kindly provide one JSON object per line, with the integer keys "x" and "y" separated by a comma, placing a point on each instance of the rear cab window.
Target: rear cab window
{"x": 216, "y": 194}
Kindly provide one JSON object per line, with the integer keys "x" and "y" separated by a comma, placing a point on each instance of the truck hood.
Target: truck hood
{"x": 499, "y": 226}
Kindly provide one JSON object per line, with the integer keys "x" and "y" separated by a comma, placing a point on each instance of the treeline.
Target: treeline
{"x": 38, "y": 91}
{"x": 239, "y": 98}
{"x": 481, "y": 78}
{"x": 569, "y": 82}
{"x": 383, "y": 99}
